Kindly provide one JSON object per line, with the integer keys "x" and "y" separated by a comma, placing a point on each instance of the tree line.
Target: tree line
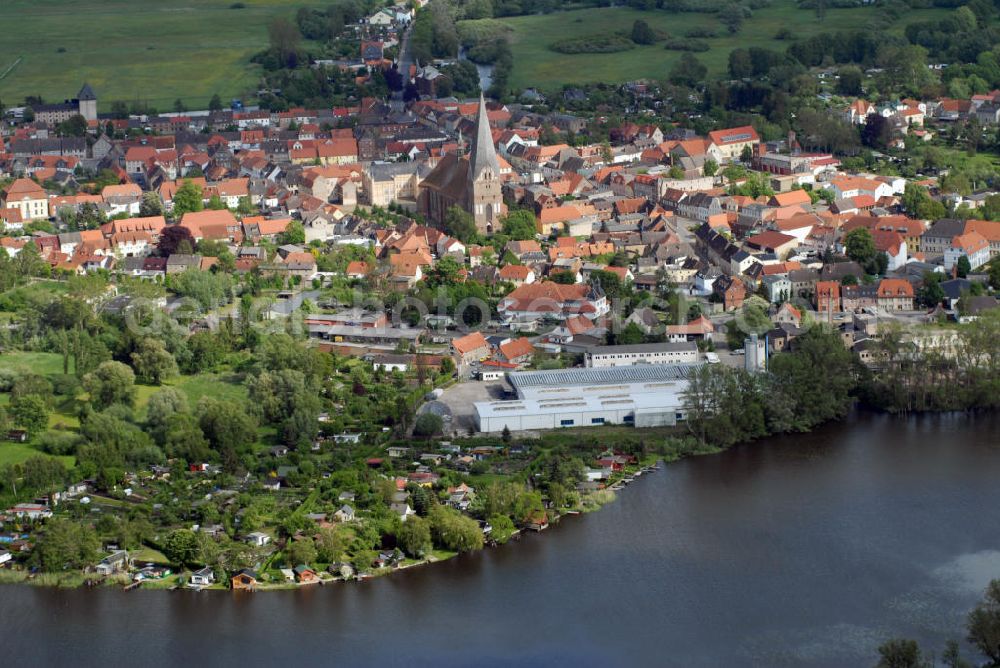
{"x": 801, "y": 389}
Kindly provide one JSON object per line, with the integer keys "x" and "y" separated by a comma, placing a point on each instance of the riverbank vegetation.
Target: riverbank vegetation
{"x": 923, "y": 368}
{"x": 801, "y": 390}
{"x": 935, "y": 368}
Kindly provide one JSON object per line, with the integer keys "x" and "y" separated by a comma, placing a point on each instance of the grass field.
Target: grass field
{"x": 44, "y": 364}
{"x": 152, "y": 50}
{"x": 218, "y": 386}
{"x": 536, "y": 65}
{"x": 149, "y": 554}
{"x": 15, "y": 453}
{"x": 160, "y": 50}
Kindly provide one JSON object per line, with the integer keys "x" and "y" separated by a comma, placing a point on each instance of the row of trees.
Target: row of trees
{"x": 948, "y": 369}
{"x": 802, "y": 389}
{"x": 936, "y": 370}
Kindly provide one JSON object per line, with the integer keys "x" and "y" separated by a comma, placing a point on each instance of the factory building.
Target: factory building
{"x": 642, "y": 395}
{"x": 643, "y": 353}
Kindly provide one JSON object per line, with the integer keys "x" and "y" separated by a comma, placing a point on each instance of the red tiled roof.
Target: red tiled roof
{"x": 517, "y": 348}
{"x": 744, "y": 133}
{"x": 469, "y": 342}
{"x": 894, "y": 287}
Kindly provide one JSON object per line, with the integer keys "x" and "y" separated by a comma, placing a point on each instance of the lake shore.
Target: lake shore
{"x": 591, "y": 502}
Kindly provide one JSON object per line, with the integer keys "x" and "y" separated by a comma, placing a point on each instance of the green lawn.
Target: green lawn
{"x": 15, "y": 453}
{"x": 152, "y": 50}
{"x": 44, "y": 364}
{"x": 218, "y": 386}
{"x": 535, "y": 65}
{"x": 142, "y": 395}
{"x": 148, "y": 554}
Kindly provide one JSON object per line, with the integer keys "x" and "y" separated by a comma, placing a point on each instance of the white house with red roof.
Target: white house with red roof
{"x": 26, "y": 197}
{"x": 726, "y": 145}
{"x": 971, "y": 245}
{"x": 853, "y": 186}
{"x": 857, "y": 112}
{"x": 893, "y": 245}
{"x": 553, "y": 300}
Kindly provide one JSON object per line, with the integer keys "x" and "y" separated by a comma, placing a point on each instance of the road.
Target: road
{"x": 405, "y": 60}
{"x": 682, "y": 226}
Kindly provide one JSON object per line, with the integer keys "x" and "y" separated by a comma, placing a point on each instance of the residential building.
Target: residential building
{"x": 895, "y": 294}
{"x": 204, "y": 577}
{"x": 516, "y": 351}
{"x": 728, "y": 145}
{"x": 778, "y": 287}
{"x": 553, "y": 300}
{"x": 731, "y": 290}
{"x": 28, "y": 198}
{"x": 470, "y": 348}
{"x": 859, "y": 297}
{"x": 827, "y": 297}
{"x": 939, "y": 236}
{"x": 116, "y": 562}
{"x": 972, "y": 246}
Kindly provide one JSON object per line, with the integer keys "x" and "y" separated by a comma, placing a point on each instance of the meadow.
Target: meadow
{"x": 537, "y": 65}
{"x": 149, "y": 50}
{"x": 64, "y": 417}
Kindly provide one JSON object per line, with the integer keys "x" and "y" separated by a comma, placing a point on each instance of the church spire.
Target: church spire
{"x": 484, "y": 154}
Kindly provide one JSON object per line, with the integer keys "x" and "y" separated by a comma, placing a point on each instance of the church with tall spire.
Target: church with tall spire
{"x": 471, "y": 181}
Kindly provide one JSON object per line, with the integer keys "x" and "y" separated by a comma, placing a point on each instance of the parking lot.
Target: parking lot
{"x": 456, "y": 405}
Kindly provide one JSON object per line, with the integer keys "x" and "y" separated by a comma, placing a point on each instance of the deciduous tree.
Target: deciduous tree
{"x": 454, "y": 531}
{"x": 110, "y": 383}
{"x": 182, "y": 547}
{"x": 414, "y": 537}
{"x": 900, "y": 653}
{"x": 984, "y": 624}
{"x": 152, "y": 362}
{"x": 301, "y": 551}
{"x": 187, "y": 199}
{"x": 65, "y": 544}
{"x": 642, "y": 33}
{"x": 30, "y": 413}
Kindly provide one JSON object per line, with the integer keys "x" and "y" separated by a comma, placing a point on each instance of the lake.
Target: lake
{"x": 808, "y": 550}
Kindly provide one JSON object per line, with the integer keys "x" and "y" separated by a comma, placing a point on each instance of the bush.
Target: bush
{"x": 7, "y": 379}
{"x": 704, "y": 33}
{"x": 594, "y": 44}
{"x": 678, "y": 44}
{"x": 65, "y": 386}
{"x": 59, "y": 442}
{"x": 428, "y": 425}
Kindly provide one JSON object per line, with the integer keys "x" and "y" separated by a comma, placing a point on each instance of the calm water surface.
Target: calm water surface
{"x": 801, "y": 551}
